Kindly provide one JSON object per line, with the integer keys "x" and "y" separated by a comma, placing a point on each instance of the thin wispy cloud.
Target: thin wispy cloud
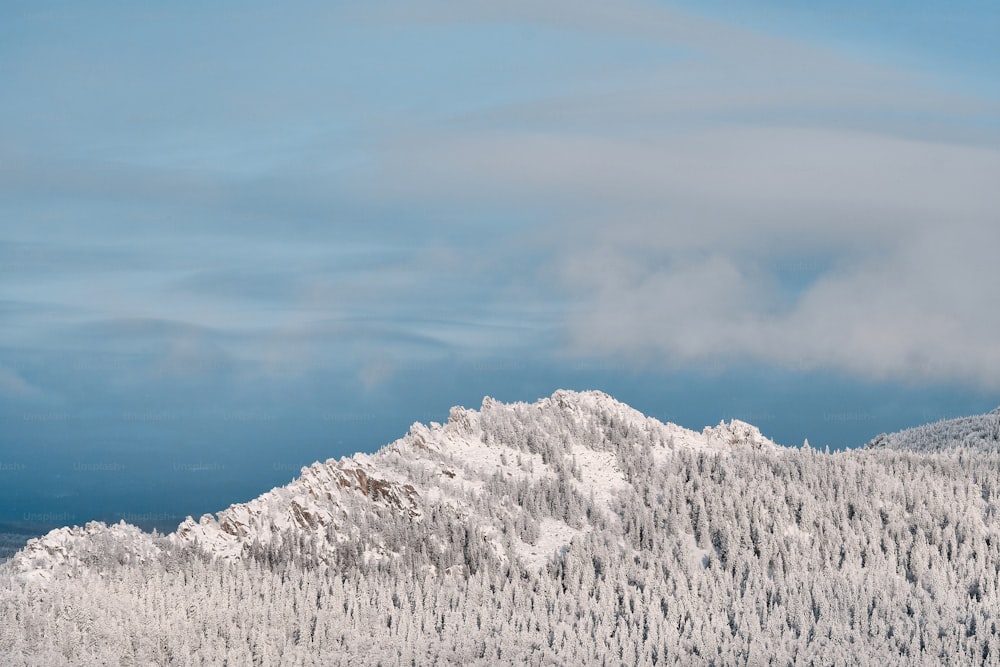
{"x": 653, "y": 166}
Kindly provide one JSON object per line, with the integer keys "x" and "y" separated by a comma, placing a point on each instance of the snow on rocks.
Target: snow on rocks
{"x": 62, "y": 550}
{"x": 444, "y": 466}
{"x": 736, "y": 433}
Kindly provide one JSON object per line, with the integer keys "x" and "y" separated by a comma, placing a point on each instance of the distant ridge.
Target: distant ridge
{"x": 978, "y": 432}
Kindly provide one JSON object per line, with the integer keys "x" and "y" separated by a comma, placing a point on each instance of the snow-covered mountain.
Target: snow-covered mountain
{"x": 573, "y": 530}
{"x": 569, "y": 439}
{"x": 977, "y": 432}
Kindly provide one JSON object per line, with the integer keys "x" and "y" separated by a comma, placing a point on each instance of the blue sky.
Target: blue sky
{"x": 236, "y": 239}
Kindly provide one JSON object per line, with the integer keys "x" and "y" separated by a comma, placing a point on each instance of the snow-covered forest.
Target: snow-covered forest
{"x": 570, "y": 531}
{"x": 979, "y": 432}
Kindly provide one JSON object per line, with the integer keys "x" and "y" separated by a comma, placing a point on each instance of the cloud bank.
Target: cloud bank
{"x": 422, "y": 181}
{"x": 828, "y": 215}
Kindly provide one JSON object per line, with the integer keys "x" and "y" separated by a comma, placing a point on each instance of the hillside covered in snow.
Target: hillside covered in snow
{"x": 574, "y": 530}
{"x": 978, "y": 432}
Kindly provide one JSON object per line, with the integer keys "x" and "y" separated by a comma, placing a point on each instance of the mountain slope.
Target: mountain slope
{"x": 977, "y": 432}
{"x": 564, "y": 449}
{"x": 573, "y": 530}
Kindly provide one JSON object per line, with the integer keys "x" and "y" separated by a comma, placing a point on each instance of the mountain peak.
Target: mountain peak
{"x": 571, "y": 438}
{"x": 480, "y": 540}
{"x": 738, "y": 432}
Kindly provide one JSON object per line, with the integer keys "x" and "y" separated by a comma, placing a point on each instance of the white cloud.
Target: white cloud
{"x": 673, "y": 211}
{"x": 671, "y": 186}
{"x": 909, "y": 228}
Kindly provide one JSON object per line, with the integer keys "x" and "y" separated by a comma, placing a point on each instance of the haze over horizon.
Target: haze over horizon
{"x": 237, "y": 240}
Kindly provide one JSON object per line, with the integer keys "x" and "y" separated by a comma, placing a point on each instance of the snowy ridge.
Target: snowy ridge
{"x": 471, "y": 468}
{"x": 64, "y": 551}
{"x": 978, "y": 432}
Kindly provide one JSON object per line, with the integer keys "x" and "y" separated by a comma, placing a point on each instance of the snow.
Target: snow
{"x": 793, "y": 531}
{"x": 436, "y": 465}
{"x": 61, "y": 550}
{"x": 553, "y": 536}
{"x": 777, "y": 528}
{"x": 599, "y": 472}
{"x": 697, "y": 556}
